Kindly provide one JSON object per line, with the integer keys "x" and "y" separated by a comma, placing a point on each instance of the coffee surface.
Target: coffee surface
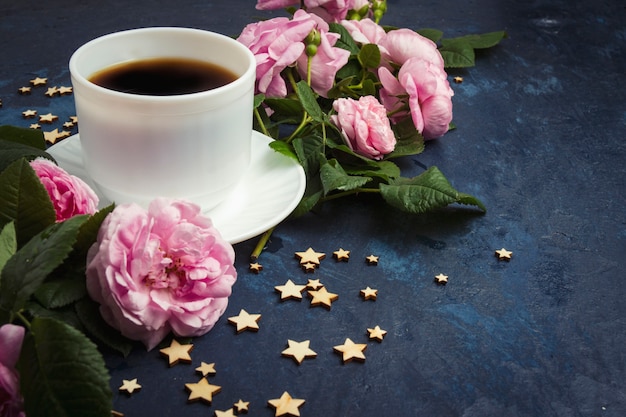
{"x": 163, "y": 76}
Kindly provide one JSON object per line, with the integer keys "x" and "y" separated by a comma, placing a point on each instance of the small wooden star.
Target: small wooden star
{"x": 226, "y": 413}
{"x": 341, "y": 255}
{"x": 372, "y": 260}
{"x": 24, "y": 90}
{"x": 299, "y": 350}
{"x": 309, "y": 267}
{"x": 35, "y": 126}
{"x": 202, "y": 390}
{"x": 310, "y": 256}
{"x": 322, "y": 297}
{"x": 245, "y": 321}
{"x": 206, "y": 369}
{"x": 54, "y": 135}
{"x": 29, "y": 114}
{"x": 52, "y": 91}
{"x": 68, "y": 125}
{"x": 441, "y": 279}
{"x": 377, "y": 333}
{"x": 504, "y": 255}
{"x": 47, "y": 118}
{"x": 314, "y": 284}
{"x": 38, "y": 81}
{"x": 350, "y": 350}
{"x": 65, "y": 90}
{"x": 286, "y": 405}
{"x": 242, "y": 406}
{"x": 130, "y": 386}
{"x": 369, "y": 293}
{"x": 177, "y": 353}
{"x": 74, "y": 119}
{"x": 290, "y": 291}
{"x": 255, "y": 267}
{"x": 116, "y": 414}
{"x": 458, "y": 80}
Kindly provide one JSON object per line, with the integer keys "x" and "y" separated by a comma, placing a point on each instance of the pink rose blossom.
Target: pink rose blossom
{"x": 365, "y": 126}
{"x": 276, "y": 4}
{"x": 402, "y": 44}
{"x": 421, "y": 90}
{"x": 11, "y": 403}
{"x": 364, "y": 31}
{"x": 160, "y": 270}
{"x": 69, "y": 194}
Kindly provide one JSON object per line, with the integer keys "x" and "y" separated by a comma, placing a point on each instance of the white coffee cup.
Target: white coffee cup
{"x": 191, "y": 146}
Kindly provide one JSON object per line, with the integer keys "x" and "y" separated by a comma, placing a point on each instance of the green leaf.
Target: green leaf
{"x": 283, "y": 148}
{"x": 308, "y": 202}
{"x": 89, "y": 314}
{"x": 28, "y": 137}
{"x": 24, "y": 200}
{"x": 65, "y": 314}
{"x": 334, "y": 178}
{"x": 457, "y": 53}
{"x": 428, "y": 191}
{"x": 409, "y": 140}
{"x": 60, "y": 292}
{"x": 11, "y": 152}
{"x": 309, "y": 150}
{"x": 345, "y": 40}
{"x": 285, "y": 108}
{"x": 385, "y": 170}
{"x": 88, "y": 232}
{"x": 25, "y": 271}
{"x": 434, "y": 35}
{"x": 8, "y": 245}
{"x": 309, "y": 101}
{"x": 369, "y": 56}
{"x": 62, "y": 374}
{"x": 482, "y": 41}
{"x": 258, "y": 100}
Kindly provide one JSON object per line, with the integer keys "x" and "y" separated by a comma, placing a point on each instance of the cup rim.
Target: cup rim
{"x": 241, "y": 79}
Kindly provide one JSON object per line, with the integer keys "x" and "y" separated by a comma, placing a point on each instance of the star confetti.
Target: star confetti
{"x": 350, "y": 350}
{"x": 290, "y": 290}
{"x": 309, "y": 267}
{"x": 47, "y": 118}
{"x": 206, "y": 369}
{"x": 68, "y": 125}
{"x": 377, "y": 333}
{"x": 35, "y": 126}
{"x": 369, "y": 293}
{"x": 242, "y": 406}
{"x": 372, "y": 260}
{"x": 310, "y": 256}
{"x": 458, "y": 80}
{"x": 177, "y": 353}
{"x": 322, "y": 297}
{"x": 202, "y": 390}
{"x": 286, "y": 405}
{"x": 54, "y": 135}
{"x": 116, "y": 414}
{"x": 38, "y": 81}
{"x": 314, "y": 284}
{"x": 52, "y": 91}
{"x": 130, "y": 386}
{"x": 24, "y": 90}
{"x": 226, "y": 413}
{"x": 441, "y": 279}
{"x": 255, "y": 267}
{"x": 74, "y": 119}
{"x": 341, "y": 255}
{"x": 65, "y": 90}
{"x": 504, "y": 255}
{"x": 29, "y": 114}
{"x": 245, "y": 321}
{"x": 299, "y": 350}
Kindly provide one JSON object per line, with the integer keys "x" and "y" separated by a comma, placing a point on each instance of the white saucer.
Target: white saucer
{"x": 268, "y": 193}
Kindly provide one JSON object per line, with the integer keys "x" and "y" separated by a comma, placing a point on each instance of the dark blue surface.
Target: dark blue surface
{"x": 541, "y": 128}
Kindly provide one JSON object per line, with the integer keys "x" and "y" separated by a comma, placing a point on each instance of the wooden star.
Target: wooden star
{"x": 314, "y": 284}
{"x": 322, "y": 297}
{"x": 286, "y": 405}
{"x": 226, "y": 413}
{"x": 441, "y": 279}
{"x": 458, "y": 80}
{"x": 65, "y": 90}
{"x": 54, "y": 135}
{"x": 341, "y": 255}
{"x": 245, "y": 321}
{"x": 206, "y": 369}
{"x": 52, "y": 91}
{"x": 372, "y": 260}
{"x": 47, "y": 118}
{"x": 177, "y": 353}
{"x": 74, "y": 119}
{"x": 24, "y": 90}
{"x": 29, "y": 114}
{"x": 299, "y": 350}
{"x": 350, "y": 350}
{"x": 68, "y": 125}
{"x": 242, "y": 406}
{"x": 202, "y": 390}
{"x": 35, "y": 126}
{"x": 130, "y": 386}
{"x": 504, "y": 255}
{"x": 116, "y": 414}
{"x": 309, "y": 267}
{"x": 38, "y": 81}
{"x": 290, "y": 291}
{"x": 255, "y": 267}
{"x": 377, "y": 333}
{"x": 310, "y": 256}
{"x": 369, "y": 293}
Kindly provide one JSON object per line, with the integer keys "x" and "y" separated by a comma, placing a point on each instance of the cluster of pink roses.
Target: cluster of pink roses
{"x": 412, "y": 79}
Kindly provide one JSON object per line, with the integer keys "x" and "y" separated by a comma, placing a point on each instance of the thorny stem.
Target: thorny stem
{"x": 261, "y": 244}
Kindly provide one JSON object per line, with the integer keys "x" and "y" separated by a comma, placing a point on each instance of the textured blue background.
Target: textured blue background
{"x": 541, "y": 127}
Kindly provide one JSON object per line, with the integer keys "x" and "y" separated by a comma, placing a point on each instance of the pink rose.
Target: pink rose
{"x": 11, "y": 403}
{"x": 69, "y": 194}
{"x": 276, "y": 4}
{"x": 365, "y": 126}
{"x": 365, "y": 31}
{"x": 402, "y": 44}
{"x": 421, "y": 90}
{"x": 160, "y": 270}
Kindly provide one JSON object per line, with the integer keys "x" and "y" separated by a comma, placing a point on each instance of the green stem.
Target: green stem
{"x": 260, "y": 121}
{"x": 308, "y": 70}
{"x": 350, "y": 192}
{"x": 23, "y": 319}
{"x": 261, "y": 244}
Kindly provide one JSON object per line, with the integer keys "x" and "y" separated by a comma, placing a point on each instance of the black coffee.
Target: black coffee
{"x": 163, "y": 77}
